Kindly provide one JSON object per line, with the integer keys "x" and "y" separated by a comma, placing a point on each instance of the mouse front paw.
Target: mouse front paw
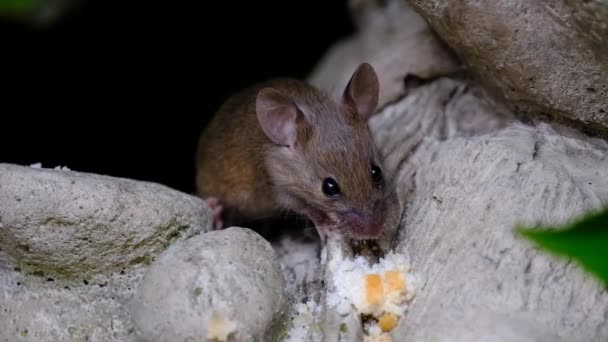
{"x": 217, "y": 208}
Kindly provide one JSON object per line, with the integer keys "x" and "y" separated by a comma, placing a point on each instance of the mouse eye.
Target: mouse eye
{"x": 330, "y": 187}
{"x": 376, "y": 175}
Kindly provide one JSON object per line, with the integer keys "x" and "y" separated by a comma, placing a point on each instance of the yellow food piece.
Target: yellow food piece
{"x": 374, "y": 290}
{"x": 394, "y": 281}
{"x": 220, "y": 327}
{"x": 387, "y": 322}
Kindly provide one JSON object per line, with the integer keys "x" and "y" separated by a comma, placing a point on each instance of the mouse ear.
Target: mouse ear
{"x": 278, "y": 116}
{"x": 362, "y": 91}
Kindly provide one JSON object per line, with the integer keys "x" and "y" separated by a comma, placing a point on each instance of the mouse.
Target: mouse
{"x": 286, "y": 146}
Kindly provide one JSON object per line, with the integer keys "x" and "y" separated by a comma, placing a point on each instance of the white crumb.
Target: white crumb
{"x": 349, "y": 280}
{"x": 59, "y": 167}
{"x": 302, "y": 322}
{"x": 380, "y": 290}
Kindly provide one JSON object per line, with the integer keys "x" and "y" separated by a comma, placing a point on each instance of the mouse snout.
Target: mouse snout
{"x": 365, "y": 225}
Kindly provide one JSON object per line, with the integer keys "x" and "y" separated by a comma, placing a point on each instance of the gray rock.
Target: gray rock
{"x": 34, "y": 309}
{"x": 299, "y": 259}
{"x": 441, "y": 110}
{"x": 73, "y": 225}
{"x": 541, "y": 56}
{"x": 465, "y": 191}
{"x": 224, "y": 283}
{"x": 395, "y": 40}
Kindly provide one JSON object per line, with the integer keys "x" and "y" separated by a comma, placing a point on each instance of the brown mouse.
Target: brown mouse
{"x": 285, "y": 146}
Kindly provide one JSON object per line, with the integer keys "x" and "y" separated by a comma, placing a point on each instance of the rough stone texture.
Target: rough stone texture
{"x": 443, "y": 109}
{"x": 35, "y": 309}
{"x": 71, "y": 224}
{"x": 542, "y": 56}
{"x": 466, "y": 190}
{"x": 233, "y": 273}
{"x": 299, "y": 259}
{"x": 395, "y": 40}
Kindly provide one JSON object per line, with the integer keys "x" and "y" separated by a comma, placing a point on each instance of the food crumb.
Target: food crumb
{"x": 387, "y": 322}
{"x": 220, "y": 327}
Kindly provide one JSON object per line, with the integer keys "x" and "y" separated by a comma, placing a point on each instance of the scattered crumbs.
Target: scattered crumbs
{"x": 302, "y": 322}
{"x": 379, "y": 291}
{"x": 220, "y": 327}
{"x": 59, "y": 167}
{"x": 375, "y": 334}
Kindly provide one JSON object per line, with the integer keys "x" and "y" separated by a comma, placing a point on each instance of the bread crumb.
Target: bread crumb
{"x": 302, "y": 322}
{"x": 220, "y": 327}
{"x": 375, "y": 334}
{"x": 374, "y": 291}
{"x": 387, "y": 322}
{"x": 380, "y": 291}
{"x": 394, "y": 281}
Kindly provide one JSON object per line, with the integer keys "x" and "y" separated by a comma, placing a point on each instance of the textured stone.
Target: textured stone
{"x": 466, "y": 187}
{"x": 224, "y": 283}
{"x": 70, "y": 224}
{"x": 93, "y": 309}
{"x": 541, "y": 56}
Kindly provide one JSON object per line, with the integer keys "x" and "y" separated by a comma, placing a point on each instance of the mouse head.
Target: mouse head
{"x": 322, "y": 160}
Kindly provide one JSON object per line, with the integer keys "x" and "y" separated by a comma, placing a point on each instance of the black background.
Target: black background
{"x": 124, "y": 88}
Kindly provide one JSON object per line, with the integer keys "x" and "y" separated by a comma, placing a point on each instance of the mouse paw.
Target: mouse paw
{"x": 216, "y": 206}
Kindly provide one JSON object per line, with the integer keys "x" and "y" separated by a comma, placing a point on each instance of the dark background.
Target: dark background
{"x": 124, "y": 88}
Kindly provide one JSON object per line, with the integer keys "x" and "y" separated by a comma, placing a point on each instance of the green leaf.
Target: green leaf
{"x": 18, "y": 7}
{"x": 585, "y": 241}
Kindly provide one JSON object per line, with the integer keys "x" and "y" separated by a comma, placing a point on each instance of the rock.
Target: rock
{"x": 395, "y": 40}
{"x": 465, "y": 189}
{"x": 226, "y": 284}
{"x": 541, "y": 57}
{"x": 299, "y": 259}
{"x": 443, "y": 109}
{"x": 69, "y": 224}
{"x": 35, "y": 309}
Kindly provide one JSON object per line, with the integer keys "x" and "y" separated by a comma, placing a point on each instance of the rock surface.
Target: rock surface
{"x": 35, "y": 309}
{"x": 541, "y": 56}
{"x": 224, "y": 284}
{"x": 71, "y": 224}
{"x": 74, "y": 246}
{"x": 468, "y": 188}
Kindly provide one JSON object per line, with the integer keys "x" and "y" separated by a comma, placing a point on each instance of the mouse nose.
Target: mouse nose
{"x": 365, "y": 226}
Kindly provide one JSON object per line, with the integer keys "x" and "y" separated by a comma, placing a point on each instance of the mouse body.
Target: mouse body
{"x": 284, "y": 146}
